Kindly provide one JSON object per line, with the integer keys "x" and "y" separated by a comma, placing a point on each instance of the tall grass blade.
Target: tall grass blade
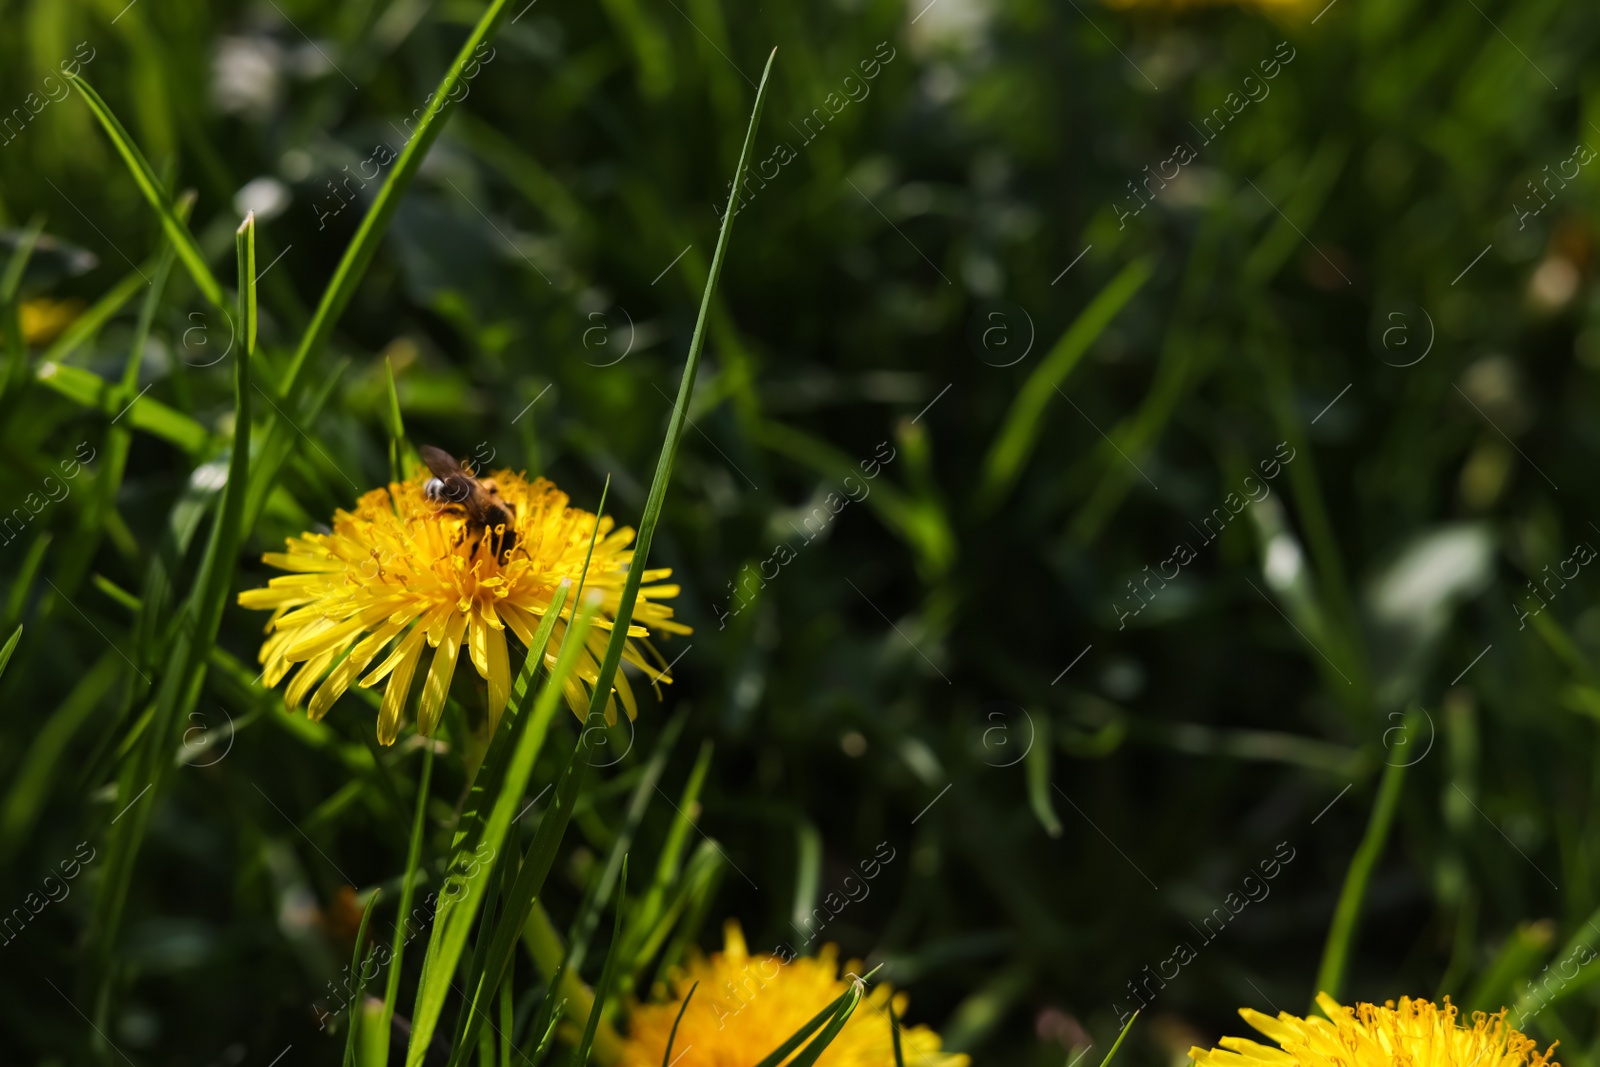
{"x": 193, "y": 259}
{"x": 16, "y": 367}
{"x": 680, "y": 411}
{"x": 894, "y": 1035}
{"x": 1347, "y": 912}
{"x": 819, "y": 1044}
{"x": 798, "y": 1038}
{"x": 456, "y": 913}
{"x": 672, "y": 1035}
{"x": 408, "y": 887}
{"x": 358, "y": 255}
{"x": 352, "y": 1023}
{"x": 1120, "y": 1038}
{"x": 588, "y": 918}
{"x": 608, "y": 977}
{"x": 1020, "y": 431}
{"x": 10, "y": 647}
{"x": 184, "y": 672}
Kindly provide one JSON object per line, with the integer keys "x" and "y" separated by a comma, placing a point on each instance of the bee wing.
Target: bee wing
{"x": 441, "y": 463}
{"x": 458, "y": 486}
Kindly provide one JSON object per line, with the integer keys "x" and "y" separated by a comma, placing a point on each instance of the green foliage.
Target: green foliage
{"x": 986, "y": 669}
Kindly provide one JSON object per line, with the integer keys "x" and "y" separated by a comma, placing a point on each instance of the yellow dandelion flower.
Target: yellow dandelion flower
{"x": 1415, "y": 1032}
{"x": 43, "y": 319}
{"x": 407, "y": 569}
{"x": 746, "y": 1006}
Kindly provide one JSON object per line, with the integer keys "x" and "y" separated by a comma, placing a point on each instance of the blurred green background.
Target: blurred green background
{"x": 1375, "y": 259}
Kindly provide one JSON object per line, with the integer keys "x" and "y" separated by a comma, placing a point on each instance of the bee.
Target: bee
{"x": 454, "y": 487}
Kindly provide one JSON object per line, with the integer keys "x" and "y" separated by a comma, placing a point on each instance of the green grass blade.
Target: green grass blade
{"x": 894, "y": 1035}
{"x": 456, "y": 913}
{"x": 31, "y": 787}
{"x": 181, "y": 678}
{"x": 487, "y": 784}
{"x": 354, "y": 1014}
{"x": 672, "y": 1035}
{"x": 650, "y": 906}
{"x": 1120, "y": 1038}
{"x": 193, "y": 259}
{"x": 819, "y": 1044}
{"x": 408, "y": 885}
{"x": 16, "y": 368}
{"x": 551, "y": 1017}
{"x": 10, "y": 647}
{"x": 680, "y": 411}
{"x": 11, "y": 278}
{"x": 22, "y": 585}
{"x": 1347, "y": 913}
{"x": 1037, "y": 763}
{"x": 1020, "y": 431}
{"x": 396, "y": 427}
{"x": 608, "y": 976}
{"x": 520, "y": 902}
{"x": 796, "y": 1039}
{"x": 550, "y": 1011}
{"x": 88, "y": 389}
{"x": 358, "y": 255}
{"x": 699, "y": 879}
{"x": 79, "y": 554}
{"x": 583, "y": 926}
{"x": 98, "y": 314}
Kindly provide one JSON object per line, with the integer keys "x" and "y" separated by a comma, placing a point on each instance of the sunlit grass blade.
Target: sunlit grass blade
{"x": 10, "y": 647}
{"x": 16, "y": 366}
{"x": 353, "y": 1016}
{"x": 672, "y": 1035}
{"x": 588, "y": 918}
{"x": 608, "y": 977}
{"x": 798, "y": 1038}
{"x": 358, "y": 254}
{"x": 925, "y": 531}
{"x": 819, "y": 1044}
{"x": 894, "y": 1034}
{"x": 178, "y": 687}
{"x": 521, "y": 903}
{"x": 649, "y": 909}
{"x": 99, "y": 313}
{"x": 1121, "y": 1037}
{"x": 80, "y": 551}
{"x": 693, "y": 898}
{"x": 454, "y": 918}
{"x": 87, "y": 388}
{"x": 1347, "y": 912}
{"x": 31, "y": 787}
{"x": 680, "y": 411}
{"x": 549, "y": 1019}
{"x": 1019, "y": 433}
{"x": 408, "y": 884}
{"x": 396, "y": 426}
{"x": 22, "y": 584}
{"x": 150, "y": 185}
